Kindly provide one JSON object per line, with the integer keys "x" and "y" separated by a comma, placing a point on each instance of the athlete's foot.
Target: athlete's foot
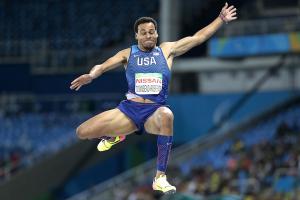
{"x": 108, "y": 142}
{"x": 161, "y": 184}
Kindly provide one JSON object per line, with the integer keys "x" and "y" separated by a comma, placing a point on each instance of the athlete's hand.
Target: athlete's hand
{"x": 80, "y": 81}
{"x": 228, "y": 14}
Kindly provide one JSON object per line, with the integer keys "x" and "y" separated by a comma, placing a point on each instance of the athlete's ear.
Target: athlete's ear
{"x": 136, "y": 36}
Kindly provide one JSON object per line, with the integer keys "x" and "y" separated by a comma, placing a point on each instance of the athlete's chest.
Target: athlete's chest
{"x": 146, "y": 59}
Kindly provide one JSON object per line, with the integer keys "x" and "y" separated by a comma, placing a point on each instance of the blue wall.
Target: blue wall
{"x": 111, "y": 82}
{"x": 14, "y": 77}
{"x": 18, "y": 78}
{"x": 196, "y": 114}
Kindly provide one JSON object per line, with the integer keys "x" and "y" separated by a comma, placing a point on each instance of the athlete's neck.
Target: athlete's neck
{"x": 144, "y": 49}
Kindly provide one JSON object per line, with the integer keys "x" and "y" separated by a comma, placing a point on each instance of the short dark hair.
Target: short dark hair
{"x": 143, "y": 20}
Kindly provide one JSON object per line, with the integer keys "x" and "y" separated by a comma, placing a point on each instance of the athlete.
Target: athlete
{"x": 148, "y": 71}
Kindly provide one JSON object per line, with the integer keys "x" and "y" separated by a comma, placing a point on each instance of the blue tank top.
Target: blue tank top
{"x": 148, "y": 74}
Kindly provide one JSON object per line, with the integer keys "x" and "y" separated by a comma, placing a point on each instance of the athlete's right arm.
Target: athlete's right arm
{"x": 120, "y": 58}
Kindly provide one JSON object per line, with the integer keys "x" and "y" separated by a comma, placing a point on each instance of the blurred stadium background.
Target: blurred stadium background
{"x": 235, "y": 99}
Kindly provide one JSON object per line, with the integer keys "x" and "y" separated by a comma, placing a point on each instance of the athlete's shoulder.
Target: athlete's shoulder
{"x": 122, "y": 55}
{"x": 124, "y": 52}
{"x": 167, "y": 48}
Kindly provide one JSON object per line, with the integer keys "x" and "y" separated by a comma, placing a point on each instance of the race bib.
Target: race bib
{"x": 148, "y": 83}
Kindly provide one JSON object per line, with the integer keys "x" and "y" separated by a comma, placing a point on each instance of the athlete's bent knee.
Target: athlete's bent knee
{"x": 166, "y": 114}
{"x": 81, "y": 132}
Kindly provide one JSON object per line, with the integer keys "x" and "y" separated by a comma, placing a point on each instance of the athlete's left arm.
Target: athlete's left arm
{"x": 183, "y": 45}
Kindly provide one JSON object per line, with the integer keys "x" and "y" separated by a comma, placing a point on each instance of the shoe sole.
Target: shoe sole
{"x": 167, "y": 192}
{"x": 170, "y": 192}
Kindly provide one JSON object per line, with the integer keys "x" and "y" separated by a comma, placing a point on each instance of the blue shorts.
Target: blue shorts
{"x": 138, "y": 112}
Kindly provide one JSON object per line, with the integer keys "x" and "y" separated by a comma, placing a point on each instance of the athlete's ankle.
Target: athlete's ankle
{"x": 113, "y": 139}
{"x": 159, "y": 173}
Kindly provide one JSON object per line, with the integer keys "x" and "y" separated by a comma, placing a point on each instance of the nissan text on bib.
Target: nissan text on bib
{"x": 148, "y": 83}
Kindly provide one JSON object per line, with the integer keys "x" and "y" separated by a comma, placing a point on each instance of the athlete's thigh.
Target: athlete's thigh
{"x": 109, "y": 123}
{"x": 152, "y": 125}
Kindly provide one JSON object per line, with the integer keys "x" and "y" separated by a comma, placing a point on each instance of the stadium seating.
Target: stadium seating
{"x": 259, "y": 163}
{"x": 55, "y": 29}
{"x": 35, "y": 135}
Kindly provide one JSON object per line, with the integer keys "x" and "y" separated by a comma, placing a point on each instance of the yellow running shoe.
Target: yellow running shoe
{"x": 161, "y": 184}
{"x": 106, "y": 144}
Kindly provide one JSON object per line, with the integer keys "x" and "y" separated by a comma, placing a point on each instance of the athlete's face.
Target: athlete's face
{"x": 146, "y": 36}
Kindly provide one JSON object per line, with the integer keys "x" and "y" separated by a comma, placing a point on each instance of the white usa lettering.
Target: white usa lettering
{"x": 146, "y": 61}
